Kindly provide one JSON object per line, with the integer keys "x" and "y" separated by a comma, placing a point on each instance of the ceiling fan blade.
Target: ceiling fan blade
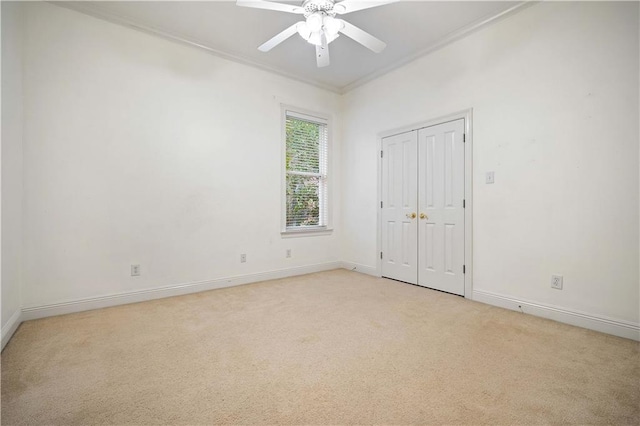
{"x": 348, "y": 6}
{"x": 322, "y": 53}
{"x": 362, "y": 37}
{"x": 279, "y": 38}
{"x": 261, "y": 4}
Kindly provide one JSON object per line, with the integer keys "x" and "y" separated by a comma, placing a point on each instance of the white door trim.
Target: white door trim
{"x": 467, "y": 115}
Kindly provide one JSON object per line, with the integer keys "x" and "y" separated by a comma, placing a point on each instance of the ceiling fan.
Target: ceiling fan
{"x": 321, "y": 26}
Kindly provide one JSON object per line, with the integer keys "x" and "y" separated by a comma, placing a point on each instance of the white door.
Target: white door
{"x": 399, "y": 207}
{"x": 441, "y": 208}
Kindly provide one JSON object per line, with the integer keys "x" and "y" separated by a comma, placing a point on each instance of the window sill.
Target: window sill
{"x": 294, "y": 233}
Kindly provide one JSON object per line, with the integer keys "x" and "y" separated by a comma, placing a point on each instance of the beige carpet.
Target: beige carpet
{"x": 330, "y": 348}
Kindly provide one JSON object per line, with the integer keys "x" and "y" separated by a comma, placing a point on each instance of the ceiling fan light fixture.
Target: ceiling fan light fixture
{"x": 331, "y": 37}
{"x": 314, "y": 22}
{"x": 331, "y": 26}
{"x": 303, "y": 30}
{"x": 315, "y": 38}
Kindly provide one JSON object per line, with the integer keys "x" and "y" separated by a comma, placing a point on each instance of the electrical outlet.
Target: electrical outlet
{"x": 288, "y": 253}
{"x": 243, "y": 258}
{"x": 135, "y": 270}
{"x": 490, "y": 177}
{"x": 556, "y": 282}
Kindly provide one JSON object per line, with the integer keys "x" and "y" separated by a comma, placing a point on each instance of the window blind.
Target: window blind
{"x": 306, "y": 171}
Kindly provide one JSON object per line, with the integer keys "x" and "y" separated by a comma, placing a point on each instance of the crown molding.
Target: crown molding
{"x": 91, "y": 9}
{"x": 444, "y": 41}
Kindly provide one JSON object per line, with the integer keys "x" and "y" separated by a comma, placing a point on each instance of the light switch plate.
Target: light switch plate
{"x": 490, "y": 178}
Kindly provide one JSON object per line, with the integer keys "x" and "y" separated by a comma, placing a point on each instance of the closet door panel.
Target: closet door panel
{"x": 440, "y": 206}
{"x": 399, "y": 207}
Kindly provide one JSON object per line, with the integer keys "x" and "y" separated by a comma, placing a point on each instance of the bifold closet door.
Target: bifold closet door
{"x": 441, "y": 209}
{"x": 399, "y": 202}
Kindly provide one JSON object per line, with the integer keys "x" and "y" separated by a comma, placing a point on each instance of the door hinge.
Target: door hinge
{"x": 464, "y": 204}
{"x": 464, "y": 137}
{"x": 380, "y": 204}
{"x": 380, "y": 255}
{"x": 381, "y": 154}
{"x": 464, "y": 269}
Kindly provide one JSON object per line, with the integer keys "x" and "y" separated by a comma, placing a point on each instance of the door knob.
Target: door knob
{"x": 423, "y": 216}
{"x": 411, "y": 216}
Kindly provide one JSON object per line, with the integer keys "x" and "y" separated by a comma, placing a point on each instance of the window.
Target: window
{"x": 306, "y": 151}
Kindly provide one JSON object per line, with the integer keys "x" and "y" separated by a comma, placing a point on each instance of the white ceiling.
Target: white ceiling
{"x": 410, "y": 29}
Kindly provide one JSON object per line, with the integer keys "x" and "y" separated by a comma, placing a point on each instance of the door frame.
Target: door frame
{"x": 467, "y": 115}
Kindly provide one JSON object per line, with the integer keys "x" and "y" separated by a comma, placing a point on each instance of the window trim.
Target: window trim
{"x": 320, "y": 118}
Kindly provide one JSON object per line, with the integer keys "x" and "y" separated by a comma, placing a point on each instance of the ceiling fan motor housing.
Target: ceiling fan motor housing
{"x": 312, "y": 6}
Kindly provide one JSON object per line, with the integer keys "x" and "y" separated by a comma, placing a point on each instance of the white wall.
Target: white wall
{"x": 141, "y": 150}
{"x": 554, "y": 92}
{"x": 11, "y": 163}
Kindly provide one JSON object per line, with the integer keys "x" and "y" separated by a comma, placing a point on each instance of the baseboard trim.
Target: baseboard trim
{"x": 80, "y": 305}
{"x": 621, "y": 328}
{"x": 616, "y": 327}
{"x": 364, "y": 269}
{"x": 10, "y": 327}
